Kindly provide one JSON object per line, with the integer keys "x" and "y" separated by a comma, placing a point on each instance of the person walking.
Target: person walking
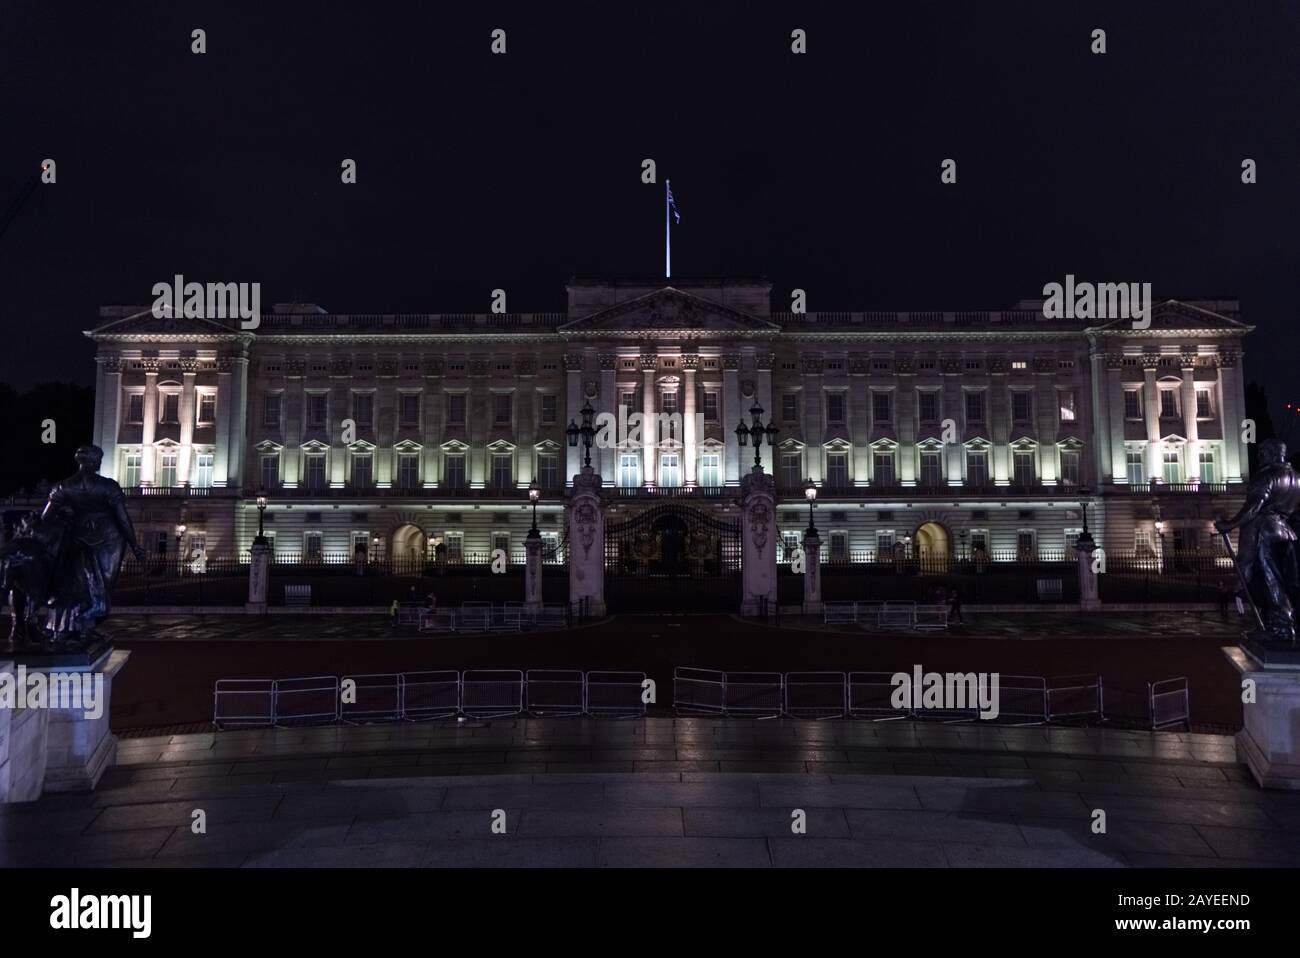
{"x": 954, "y": 607}
{"x": 1224, "y": 595}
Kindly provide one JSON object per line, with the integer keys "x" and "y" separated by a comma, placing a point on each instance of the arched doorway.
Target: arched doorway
{"x": 408, "y": 544}
{"x": 933, "y": 547}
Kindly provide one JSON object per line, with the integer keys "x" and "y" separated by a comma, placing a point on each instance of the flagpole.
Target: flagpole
{"x": 668, "y": 234}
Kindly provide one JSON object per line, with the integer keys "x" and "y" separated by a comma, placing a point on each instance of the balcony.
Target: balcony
{"x": 1179, "y": 488}
{"x": 674, "y": 492}
{"x": 178, "y": 491}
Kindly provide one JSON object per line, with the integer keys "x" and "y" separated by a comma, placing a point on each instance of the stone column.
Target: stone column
{"x": 188, "y": 415}
{"x": 108, "y": 399}
{"x": 758, "y": 542}
{"x": 586, "y": 518}
{"x": 689, "y": 438}
{"x": 221, "y": 476}
{"x": 259, "y": 574}
{"x": 607, "y": 457}
{"x": 1233, "y": 410}
{"x": 148, "y": 459}
{"x": 1089, "y": 598}
{"x": 812, "y": 572}
{"x": 732, "y": 413}
{"x": 763, "y": 391}
{"x": 1151, "y": 409}
{"x": 533, "y": 574}
{"x": 649, "y": 422}
{"x": 238, "y": 420}
{"x": 1192, "y": 451}
{"x": 573, "y": 410}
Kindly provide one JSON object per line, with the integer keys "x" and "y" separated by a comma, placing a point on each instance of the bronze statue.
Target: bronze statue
{"x": 1266, "y": 561}
{"x": 69, "y": 558}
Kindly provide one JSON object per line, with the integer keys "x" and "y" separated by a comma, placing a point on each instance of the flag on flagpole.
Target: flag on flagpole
{"x": 672, "y": 205}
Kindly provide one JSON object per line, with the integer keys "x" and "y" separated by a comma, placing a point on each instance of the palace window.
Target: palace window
{"x": 1209, "y": 465}
{"x": 791, "y": 470}
{"x": 135, "y": 408}
{"x": 131, "y": 470}
{"x": 1069, "y": 467}
{"x": 317, "y": 410}
{"x": 1133, "y": 405}
{"x": 1135, "y": 467}
{"x": 710, "y": 470}
{"x": 362, "y": 471}
{"x": 1065, "y": 398}
{"x": 1022, "y": 461}
{"x": 931, "y": 469}
{"x": 502, "y": 476}
{"x": 1169, "y": 404}
{"x": 882, "y": 407}
{"x": 501, "y": 409}
{"x": 835, "y": 409}
{"x": 455, "y": 409}
{"x": 363, "y": 408}
{"x": 409, "y": 409}
{"x": 974, "y": 406}
{"x": 629, "y": 471}
{"x": 167, "y": 470}
{"x": 929, "y": 406}
{"x": 549, "y": 407}
{"x": 548, "y": 472}
{"x": 408, "y": 470}
{"x": 977, "y": 468}
{"x": 837, "y": 470}
{"x": 453, "y": 474}
{"x": 670, "y": 473}
{"x": 316, "y": 472}
{"x": 171, "y": 408}
{"x": 207, "y": 409}
{"x": 1173, "y": 464}
{"x": 790, "y": 407}
{"x": 710, "y": 404}
{"x": 203, "y": 470}
{"x": 882, "y": 462}
{"x": 270, "y": 470}
{"x": 1204, "y": 404}
{"x": 1022, "y": 406}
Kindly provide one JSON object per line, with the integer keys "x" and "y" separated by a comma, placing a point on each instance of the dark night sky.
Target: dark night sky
{"x": 478, "y": 171}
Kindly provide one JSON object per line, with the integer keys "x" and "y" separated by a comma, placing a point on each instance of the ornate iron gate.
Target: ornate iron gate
{"x": 673, "y": 558}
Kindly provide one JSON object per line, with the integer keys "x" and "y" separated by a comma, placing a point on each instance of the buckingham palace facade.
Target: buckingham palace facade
{"x": 943, "y": 432}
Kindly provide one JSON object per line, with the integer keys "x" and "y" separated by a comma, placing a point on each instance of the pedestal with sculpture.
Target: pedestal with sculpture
{"x": 58, "y": 575}
{"x": 1268, "y": 659}
{"x": 586, "y": 517}
{"x": 759, "y": 539}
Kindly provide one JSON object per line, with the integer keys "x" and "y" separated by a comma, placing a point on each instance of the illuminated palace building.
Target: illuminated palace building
{"x": 942, "y": 432}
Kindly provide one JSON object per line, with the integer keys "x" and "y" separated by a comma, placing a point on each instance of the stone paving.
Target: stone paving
{"x": 664, "y": 792}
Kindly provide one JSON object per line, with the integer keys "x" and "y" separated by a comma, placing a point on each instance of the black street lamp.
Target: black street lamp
{"x": 1084, "y": 496}
{"x": 756, "y": 431}
{"x": 586, "y": 431}
{"x": 180, "y": 559}
{"x": 810, "y": 493}
{"x": 534, "y": 493}
{"x": 261, "y": 511}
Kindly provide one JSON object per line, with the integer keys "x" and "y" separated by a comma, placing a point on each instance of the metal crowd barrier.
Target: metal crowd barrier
{"x": 408, "y": 613}
{"x": 930, "y": 618}
{"x": 897, "y": 615}
{"x": 474, "y": 617}
{"x": 1075, "y": 697}
{"x": 839, "y": 613}
{"x": 430, "y": 695}
{"x": 492, "y": 693}
{"x": 815, "y": 695}
{"x": 871, "y": 696}
{"x": 554, "y": 614}
{"x": 1168, "y": 703}
{"x": 615, "y": 694}
{"x": 371, "y": 698}
{"x": 242, "y": 703}
{"x": 699, "y": 690}
{"x": 555, "y": 692}
{"x": 1022, "y": 700}
{"x": 753, "y": 693}
{"x": 307, "y": 701}
{"x": 437, "y": 621}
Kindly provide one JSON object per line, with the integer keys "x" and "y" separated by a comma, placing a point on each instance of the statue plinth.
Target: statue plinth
{"x": 44, "y": 657}
{"x": 1269, "y": 741}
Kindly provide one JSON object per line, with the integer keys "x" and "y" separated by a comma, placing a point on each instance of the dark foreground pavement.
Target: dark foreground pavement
{"x": 665, "y": 792}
